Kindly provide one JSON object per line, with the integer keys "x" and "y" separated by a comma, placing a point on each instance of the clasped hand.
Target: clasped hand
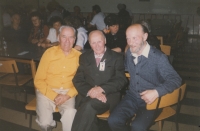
{"x": 97, "y": 92}
{"x": 149, "y": 96}
{"x": 60, "y": 99}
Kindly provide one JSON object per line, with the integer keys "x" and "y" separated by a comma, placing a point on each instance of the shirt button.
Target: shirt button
{"x": 137, "y": 82}
{"x": 137, "y": 73}
{"x": 64, "y": 67}
{"x": 63, "y": 76}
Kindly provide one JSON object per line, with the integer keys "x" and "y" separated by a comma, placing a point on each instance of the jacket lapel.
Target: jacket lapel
{"x": 107, "y": 56}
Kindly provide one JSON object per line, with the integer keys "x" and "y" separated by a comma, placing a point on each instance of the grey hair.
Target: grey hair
{"x": 65, "y": 26}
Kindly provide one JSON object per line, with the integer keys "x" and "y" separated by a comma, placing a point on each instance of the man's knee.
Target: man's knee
{"x": 45, "y": 126}
{"x": 46, "y": 123}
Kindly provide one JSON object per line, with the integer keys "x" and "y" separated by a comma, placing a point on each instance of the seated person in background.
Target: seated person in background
{"x": 39, "y": 32}
{"x": 98, "y": 81}
{"x": 52, "y": 38}
{"x": 152, "y": 40}
{"x": 82, "y": 36}
{"x": 115, "y": 38}
{"x": 53, "y": 82}
{"x": 151, "y": 76}
{"x": 98, "y": 19}
{"x": 14, "y": 35}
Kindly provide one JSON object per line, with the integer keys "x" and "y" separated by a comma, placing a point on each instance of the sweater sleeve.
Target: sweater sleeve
{"x": 171, "y": 78}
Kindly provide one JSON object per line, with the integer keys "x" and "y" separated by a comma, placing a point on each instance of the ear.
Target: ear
{"x": 145, "y": 36}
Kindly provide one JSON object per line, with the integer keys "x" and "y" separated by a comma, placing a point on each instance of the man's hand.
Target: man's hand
{"x": 149, "y": 96}
{"x": 102, "y": 97}
{"x": 60, "y": 99}
{"x": 95, "y": 91}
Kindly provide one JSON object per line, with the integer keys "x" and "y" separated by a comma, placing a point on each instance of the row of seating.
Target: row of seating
{"x": 8, "y": 68}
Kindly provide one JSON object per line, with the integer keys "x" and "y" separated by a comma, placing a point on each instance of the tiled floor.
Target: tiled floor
{"x": 186, "y": 62}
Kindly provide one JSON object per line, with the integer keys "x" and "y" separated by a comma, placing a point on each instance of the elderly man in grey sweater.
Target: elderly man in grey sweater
{"x": 152, "y": 76}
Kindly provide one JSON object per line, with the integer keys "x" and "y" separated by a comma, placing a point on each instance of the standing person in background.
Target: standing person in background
{"x": 98, "y": 19}
{"x": 53, "y": 10}
{"x": 77, "y": 13}
{"x": 39, "y": 32}
{"x": 82, "y": 36}
{"x": 115, "y": 38}
{"x": 124, "y": 17}
{"x": 53, "y": 82}
{"x": 52, "y": 38}
{"x": 65, "y": 13}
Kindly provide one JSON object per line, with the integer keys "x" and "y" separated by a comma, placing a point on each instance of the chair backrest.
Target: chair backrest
{"x": 165, "y": 49}
{"x": 161, "y": 39}
{"x": 182, "y": 88}
{"x": 33, "y": 68}
{"x": 8, "y": 66}
{"x": 168, "y": 99}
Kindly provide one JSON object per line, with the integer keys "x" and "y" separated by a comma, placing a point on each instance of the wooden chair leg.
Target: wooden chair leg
{"x": 30, "y": 120}
{"x": 15, "y": 93}
{"x": 0, "y": 96}
{"x": 160, "y": 125}
{"x": 25, "y": 114}
{"x": 176, "y": 122}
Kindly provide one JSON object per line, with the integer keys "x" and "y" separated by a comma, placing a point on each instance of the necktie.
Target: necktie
{"x": 98, "y": 60}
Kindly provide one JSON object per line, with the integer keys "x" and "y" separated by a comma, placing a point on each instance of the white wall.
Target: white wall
{"x": 136, "y": 6}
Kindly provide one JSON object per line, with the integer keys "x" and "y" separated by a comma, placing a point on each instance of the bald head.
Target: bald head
{"x": 96, "y": 33}
{"x": 97, "y": 41}
{"x": 136, "y": 38}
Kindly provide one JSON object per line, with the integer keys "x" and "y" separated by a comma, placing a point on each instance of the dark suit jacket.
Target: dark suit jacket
{"x": 112, "y": 80}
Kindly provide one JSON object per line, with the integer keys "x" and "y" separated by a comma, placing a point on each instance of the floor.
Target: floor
{"x": 187, "y": 64}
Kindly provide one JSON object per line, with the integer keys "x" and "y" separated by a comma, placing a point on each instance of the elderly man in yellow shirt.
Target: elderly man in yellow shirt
{"x": 53, "y": 82}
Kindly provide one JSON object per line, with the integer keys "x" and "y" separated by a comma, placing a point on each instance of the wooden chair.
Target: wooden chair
{"x": 12, "y": 79}
{"x": 166, "y": 102}
{"x": 161, "y": 39}
{"x": 165, "y": 49}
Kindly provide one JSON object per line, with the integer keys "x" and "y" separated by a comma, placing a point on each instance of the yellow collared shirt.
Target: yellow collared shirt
{"x": 56, "y": 71}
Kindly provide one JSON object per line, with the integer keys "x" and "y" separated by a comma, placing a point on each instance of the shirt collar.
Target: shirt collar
{"x": 145, "y": 52}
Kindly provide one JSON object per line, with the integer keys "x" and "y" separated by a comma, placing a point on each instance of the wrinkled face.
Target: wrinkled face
{"x": 16, "y": 19}
{"x": 97, "y": 42}
{"x": 36, "y": 21}
{"x": 114, "y": 29}
{"x": 67, "y": 39}
{"x": 136, "y": 38}
{"x": 57, "y": 25}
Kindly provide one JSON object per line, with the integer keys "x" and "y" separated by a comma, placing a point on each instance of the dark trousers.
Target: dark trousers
{"x": 127, "y": 108}
{"x": 85, "y": 118}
